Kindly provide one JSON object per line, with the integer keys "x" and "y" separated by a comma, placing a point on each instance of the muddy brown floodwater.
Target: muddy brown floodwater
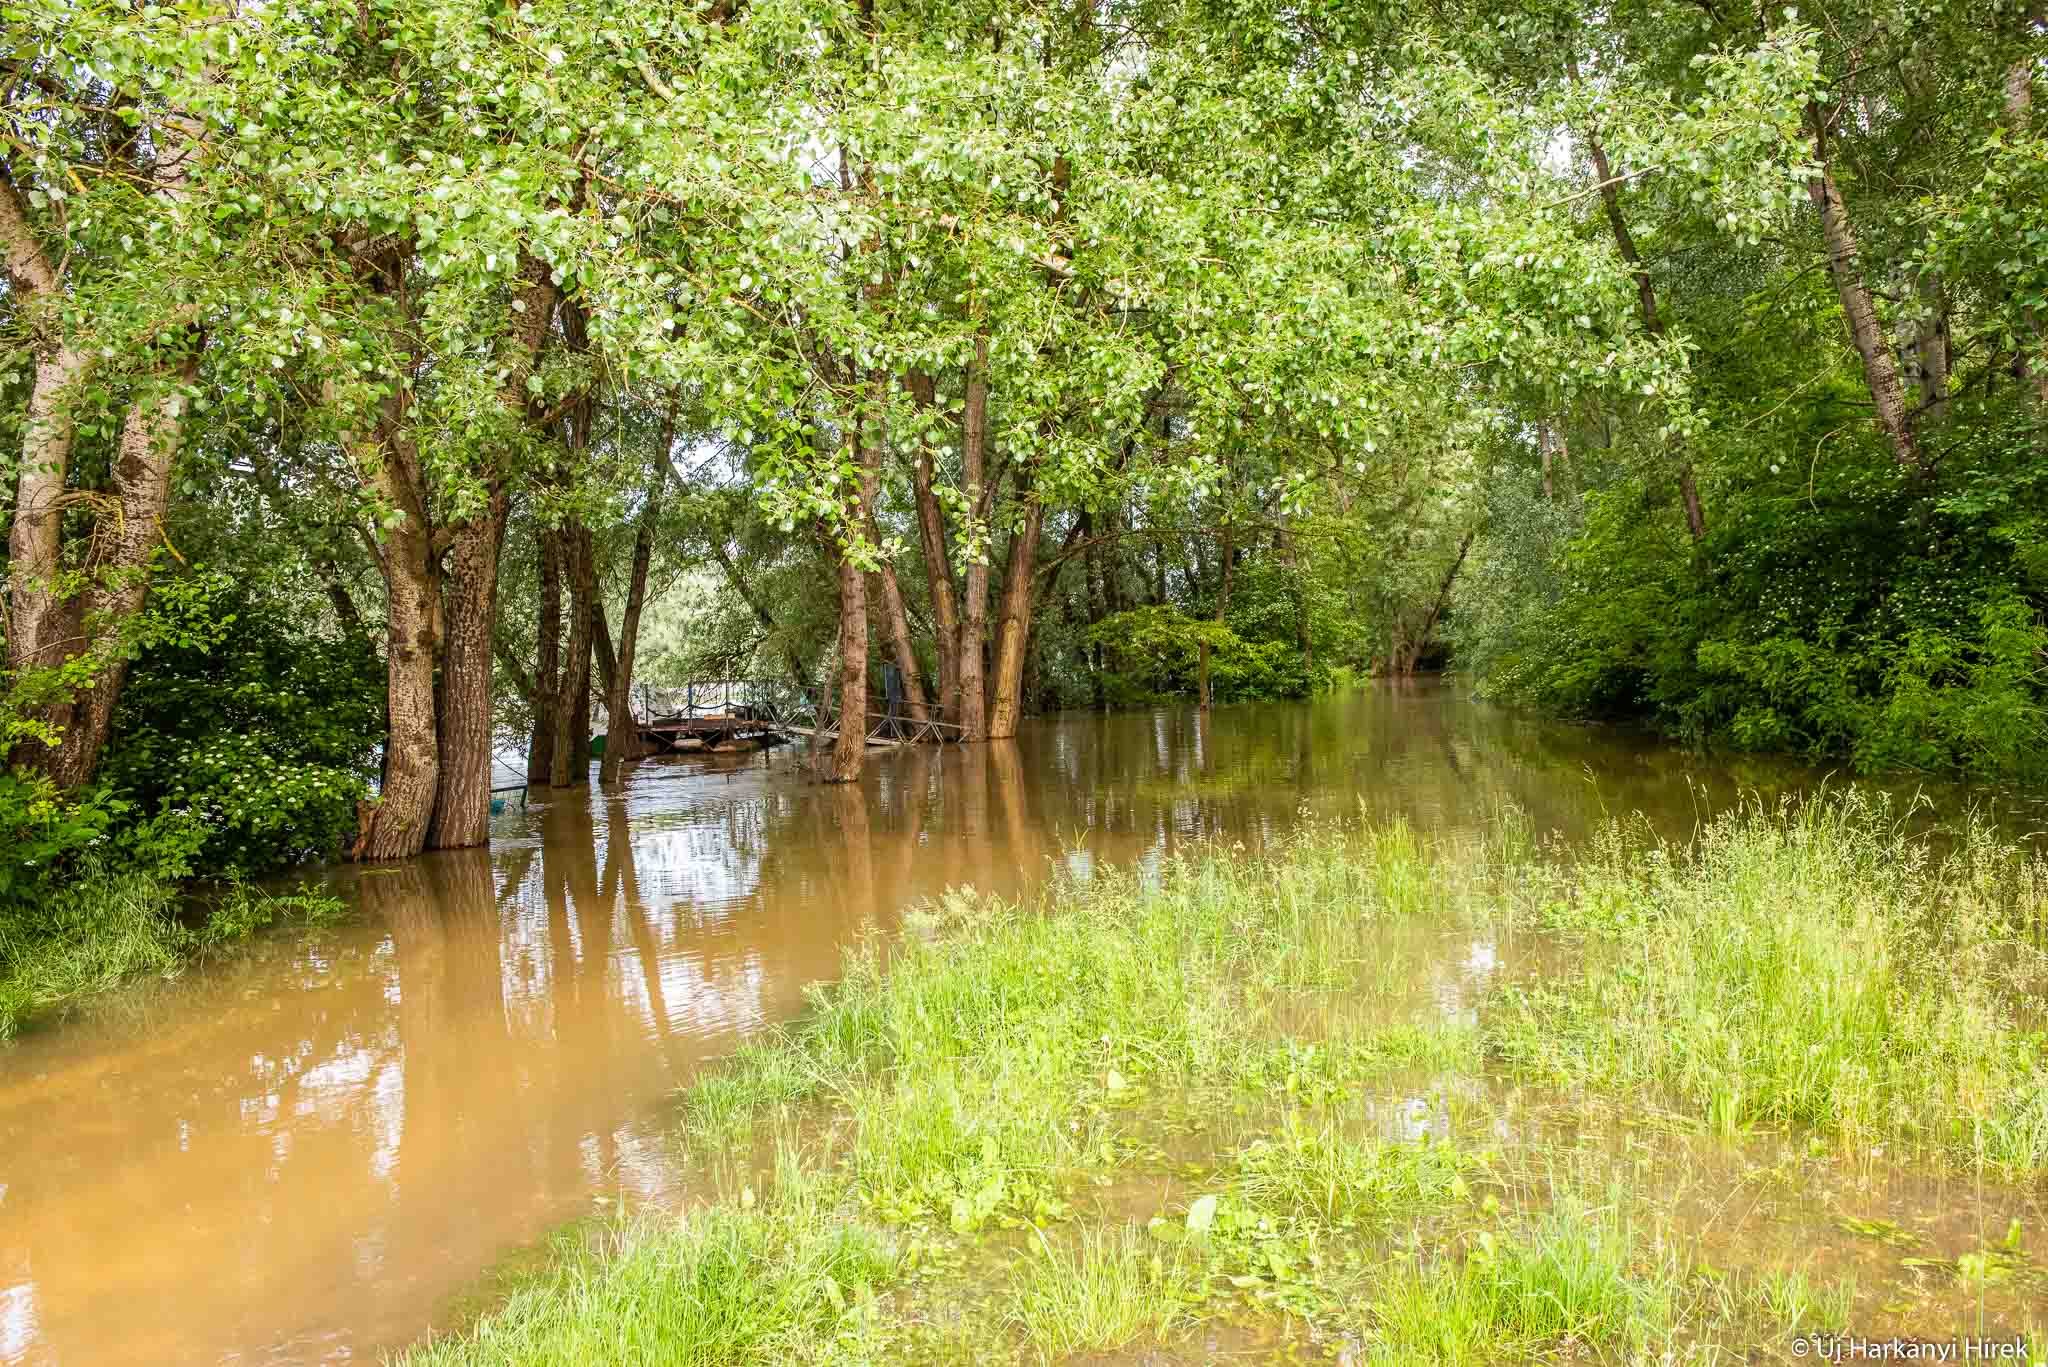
{"x": 303, "y": 1152}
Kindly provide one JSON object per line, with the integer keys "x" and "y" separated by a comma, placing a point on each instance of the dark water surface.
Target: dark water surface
{"x": 300, "y": 1154}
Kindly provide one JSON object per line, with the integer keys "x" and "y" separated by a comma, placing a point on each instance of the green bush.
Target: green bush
{"x": 1854, "y": 611}
{"x": 42, "y": 833}
{"x": 265, "y": 737}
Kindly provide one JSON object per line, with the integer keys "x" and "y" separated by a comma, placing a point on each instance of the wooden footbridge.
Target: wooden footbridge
{"x": 722, "y": 713}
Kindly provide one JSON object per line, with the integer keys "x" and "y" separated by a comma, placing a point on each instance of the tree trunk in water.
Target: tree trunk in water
{"x": 850, "y": 748}
{"x": 578, "y": 559}
{"x": 547, "y": 673}
{"x": 620, "y": 732}
{"x": 397, "y": 828}
{"x": 938, "y": 565}
{"x": 883, "y": 586}
{"x": 582, "y": 749}
{"x": 1880, "y": 368}
{"x": 973, "y": 714}
{"x": 1013, "y": 624}
{"x": 1203, "y": 650}
{"x": 142, "y": 484}
{"x": 462, "y": 800}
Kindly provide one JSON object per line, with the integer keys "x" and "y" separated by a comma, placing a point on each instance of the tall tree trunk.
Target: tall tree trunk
{"x": 462, "y": 804}
{"x": 462, "y": 800}
{"x": 547, "y": 671}
{"x": 850, "y": 749}
{"x": 45, "y": 626}
{"x": 1880, "y": 368}
{"x": 938, "y": 564}
{"x": 973, "y": 715}
{"x": 142, "y": 489}
{"x": 397, "y": 827}
{"x": 1929, "y": 349}
{"x": 42, "y": 623}
{"x": 579, "y": 560}
{"x": 882, "y": 586}
{"x": 582, "y": 743}
{"x": 620, "y": 732}
{"x": 1013, "y": 621}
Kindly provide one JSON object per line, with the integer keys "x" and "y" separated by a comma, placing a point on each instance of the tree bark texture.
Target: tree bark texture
{"x": 850, "y": 749}
{"x": 547, "y": 671}
{"x": 1880, "y": 368}
{"x": 938, "y": 563}
{"x": 142, "y": 492}
{"x": 397, "y": 828}
{"x": 462, "y": 801}
{"x": 973, "y": 715}
{"x": 1013, "y": 623}
{"x": 579, "y": 562}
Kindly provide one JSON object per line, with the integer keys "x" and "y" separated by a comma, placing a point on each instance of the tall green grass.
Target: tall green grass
{"x": 724, "y": 1286}
{"x": 992, "y": 1052}
{"x": 1573, "y": 1279}
{"x": 1812, "y": 968}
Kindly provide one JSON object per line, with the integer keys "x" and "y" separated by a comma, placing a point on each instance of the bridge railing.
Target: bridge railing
{"x": 764, "y": 698}
{"x": 788, "y": 706}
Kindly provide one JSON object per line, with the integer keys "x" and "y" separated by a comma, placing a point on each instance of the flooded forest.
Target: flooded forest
{"x": 799, "y": 681}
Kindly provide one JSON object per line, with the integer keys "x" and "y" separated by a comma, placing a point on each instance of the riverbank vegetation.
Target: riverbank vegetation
{"x": 1369, "y": 1098}
{"x": 107, "y": 928}
{"x": 376, "y": 379}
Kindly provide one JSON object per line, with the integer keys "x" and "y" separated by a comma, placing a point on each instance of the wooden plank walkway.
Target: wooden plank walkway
{"x": 717, "y": 712}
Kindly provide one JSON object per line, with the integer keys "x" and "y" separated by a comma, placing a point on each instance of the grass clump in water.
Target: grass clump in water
{"x": 1113, "y": 1288}
{"x": 722, "y": 1287}
{"x": 994, "y": 1052}
{"x": 109, "y": 927}
{"x": 1811, "y": 968}
{"x": 1318, "y": 1173}
{"x": 1571, "y": 1278}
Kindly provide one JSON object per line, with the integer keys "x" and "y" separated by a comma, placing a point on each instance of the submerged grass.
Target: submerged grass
{"x": 1113, "y": 1288}
{"x": 1138, "y": 1106}
{"x": 1809, "y": 968}
{"x": 1573, "y": 1278}
{"x": 111, "y": 927}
